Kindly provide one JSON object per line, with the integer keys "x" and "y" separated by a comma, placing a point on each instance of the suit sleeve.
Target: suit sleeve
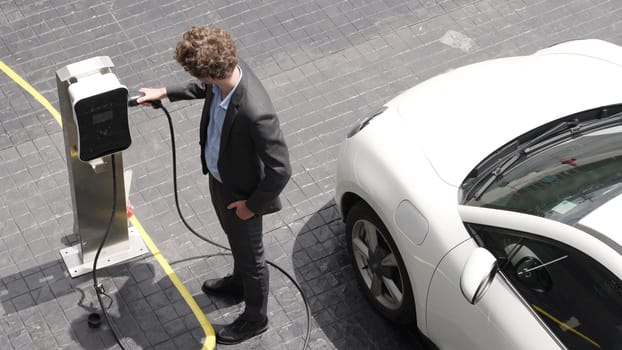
{"x": 272, "y": 150}
{"x": 190, "y": 91}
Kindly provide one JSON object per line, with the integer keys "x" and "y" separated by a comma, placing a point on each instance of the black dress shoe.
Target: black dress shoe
{"x": 240, "y": 330}
{"x": 223, "y": 286}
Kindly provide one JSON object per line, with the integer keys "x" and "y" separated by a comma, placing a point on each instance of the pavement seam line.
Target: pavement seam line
{"x": 210, "y": 335}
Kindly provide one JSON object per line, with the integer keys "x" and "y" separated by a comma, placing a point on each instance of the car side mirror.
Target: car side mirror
{"x": 477, "y": 274}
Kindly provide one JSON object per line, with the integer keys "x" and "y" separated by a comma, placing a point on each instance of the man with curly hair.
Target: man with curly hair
{"x": 244, "y": 154}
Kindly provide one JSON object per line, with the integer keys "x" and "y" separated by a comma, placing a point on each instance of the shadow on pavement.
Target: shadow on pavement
{"x": 339, "y": 309}
{"x": 146, "y": 310}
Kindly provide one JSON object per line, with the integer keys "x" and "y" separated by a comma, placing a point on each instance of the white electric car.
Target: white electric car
{"x": 484, "y": 205}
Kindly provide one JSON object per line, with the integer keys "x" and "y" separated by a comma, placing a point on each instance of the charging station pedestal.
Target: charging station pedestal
{"x": 93, "y": 107}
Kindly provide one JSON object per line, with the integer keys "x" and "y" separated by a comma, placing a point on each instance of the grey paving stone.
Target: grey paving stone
{"x": 45, "y": 343}
{"x": 21, "y": 340}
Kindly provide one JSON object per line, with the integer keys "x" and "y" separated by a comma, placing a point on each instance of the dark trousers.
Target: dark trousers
{"x": 245, "y": 240}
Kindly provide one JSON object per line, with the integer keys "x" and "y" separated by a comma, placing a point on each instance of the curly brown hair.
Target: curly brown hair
{"x": 207, "y": 52}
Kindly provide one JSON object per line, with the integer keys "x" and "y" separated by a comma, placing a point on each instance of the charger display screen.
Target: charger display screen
{"x": 102, "y": 117}
{"x": 102, "y": 124}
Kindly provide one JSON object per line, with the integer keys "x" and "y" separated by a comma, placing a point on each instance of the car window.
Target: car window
{"x": 578, "y": 298}
{"x": 562, "y": 183}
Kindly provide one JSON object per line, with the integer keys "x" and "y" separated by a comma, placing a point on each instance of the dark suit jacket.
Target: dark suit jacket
{"x": 253, "y": 161}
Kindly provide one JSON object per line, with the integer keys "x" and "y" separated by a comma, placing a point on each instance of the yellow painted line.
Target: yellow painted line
{"x": 565, "y": 326}
{"x": 210, "y": 335}
{"x": 198, "y": 313}
{"x": 24, "y": 84}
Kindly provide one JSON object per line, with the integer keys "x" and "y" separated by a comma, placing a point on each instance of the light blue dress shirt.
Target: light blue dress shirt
{"x": 218, "y": 111}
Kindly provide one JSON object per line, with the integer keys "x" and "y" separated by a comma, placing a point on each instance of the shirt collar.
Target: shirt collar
{"x": 224, "y": 104}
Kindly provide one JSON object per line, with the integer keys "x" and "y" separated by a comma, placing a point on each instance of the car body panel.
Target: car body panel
{"x": 480, "y": 95}
{"x": 606, "y": 219}
{"x": 384, "y": 182}
{"x": 498, "y": 321}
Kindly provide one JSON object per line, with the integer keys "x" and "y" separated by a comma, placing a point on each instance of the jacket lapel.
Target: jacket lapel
{"x": 232, "y": 113}
{"x": 205, "y": 115}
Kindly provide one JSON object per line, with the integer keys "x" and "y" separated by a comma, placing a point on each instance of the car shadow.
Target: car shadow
{"x": 338, "y": 307}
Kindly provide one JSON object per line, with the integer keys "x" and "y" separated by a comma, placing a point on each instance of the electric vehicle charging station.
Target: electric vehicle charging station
{"x": 93, "y": 106}
{"x": 94, "y": 114}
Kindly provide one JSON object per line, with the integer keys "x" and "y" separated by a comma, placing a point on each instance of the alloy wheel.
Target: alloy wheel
{"x": 377, "y": 265}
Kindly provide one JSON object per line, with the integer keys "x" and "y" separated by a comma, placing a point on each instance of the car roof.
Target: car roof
{"x": 463, "y": 115}
{"x": 605, "y": 222}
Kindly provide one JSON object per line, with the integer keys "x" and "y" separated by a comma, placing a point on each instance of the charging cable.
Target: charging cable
{"x": 94, "y": 319}
{"x": 157, "y": 104}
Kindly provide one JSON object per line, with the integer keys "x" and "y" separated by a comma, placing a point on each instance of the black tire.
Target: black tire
{"x": 383, "y": 266}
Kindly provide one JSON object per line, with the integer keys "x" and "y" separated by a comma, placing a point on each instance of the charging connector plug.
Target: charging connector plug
{"x": 132, "y": 98}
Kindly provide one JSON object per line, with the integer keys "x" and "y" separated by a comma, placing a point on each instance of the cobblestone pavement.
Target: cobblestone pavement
{"x": 325, "y": 63}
